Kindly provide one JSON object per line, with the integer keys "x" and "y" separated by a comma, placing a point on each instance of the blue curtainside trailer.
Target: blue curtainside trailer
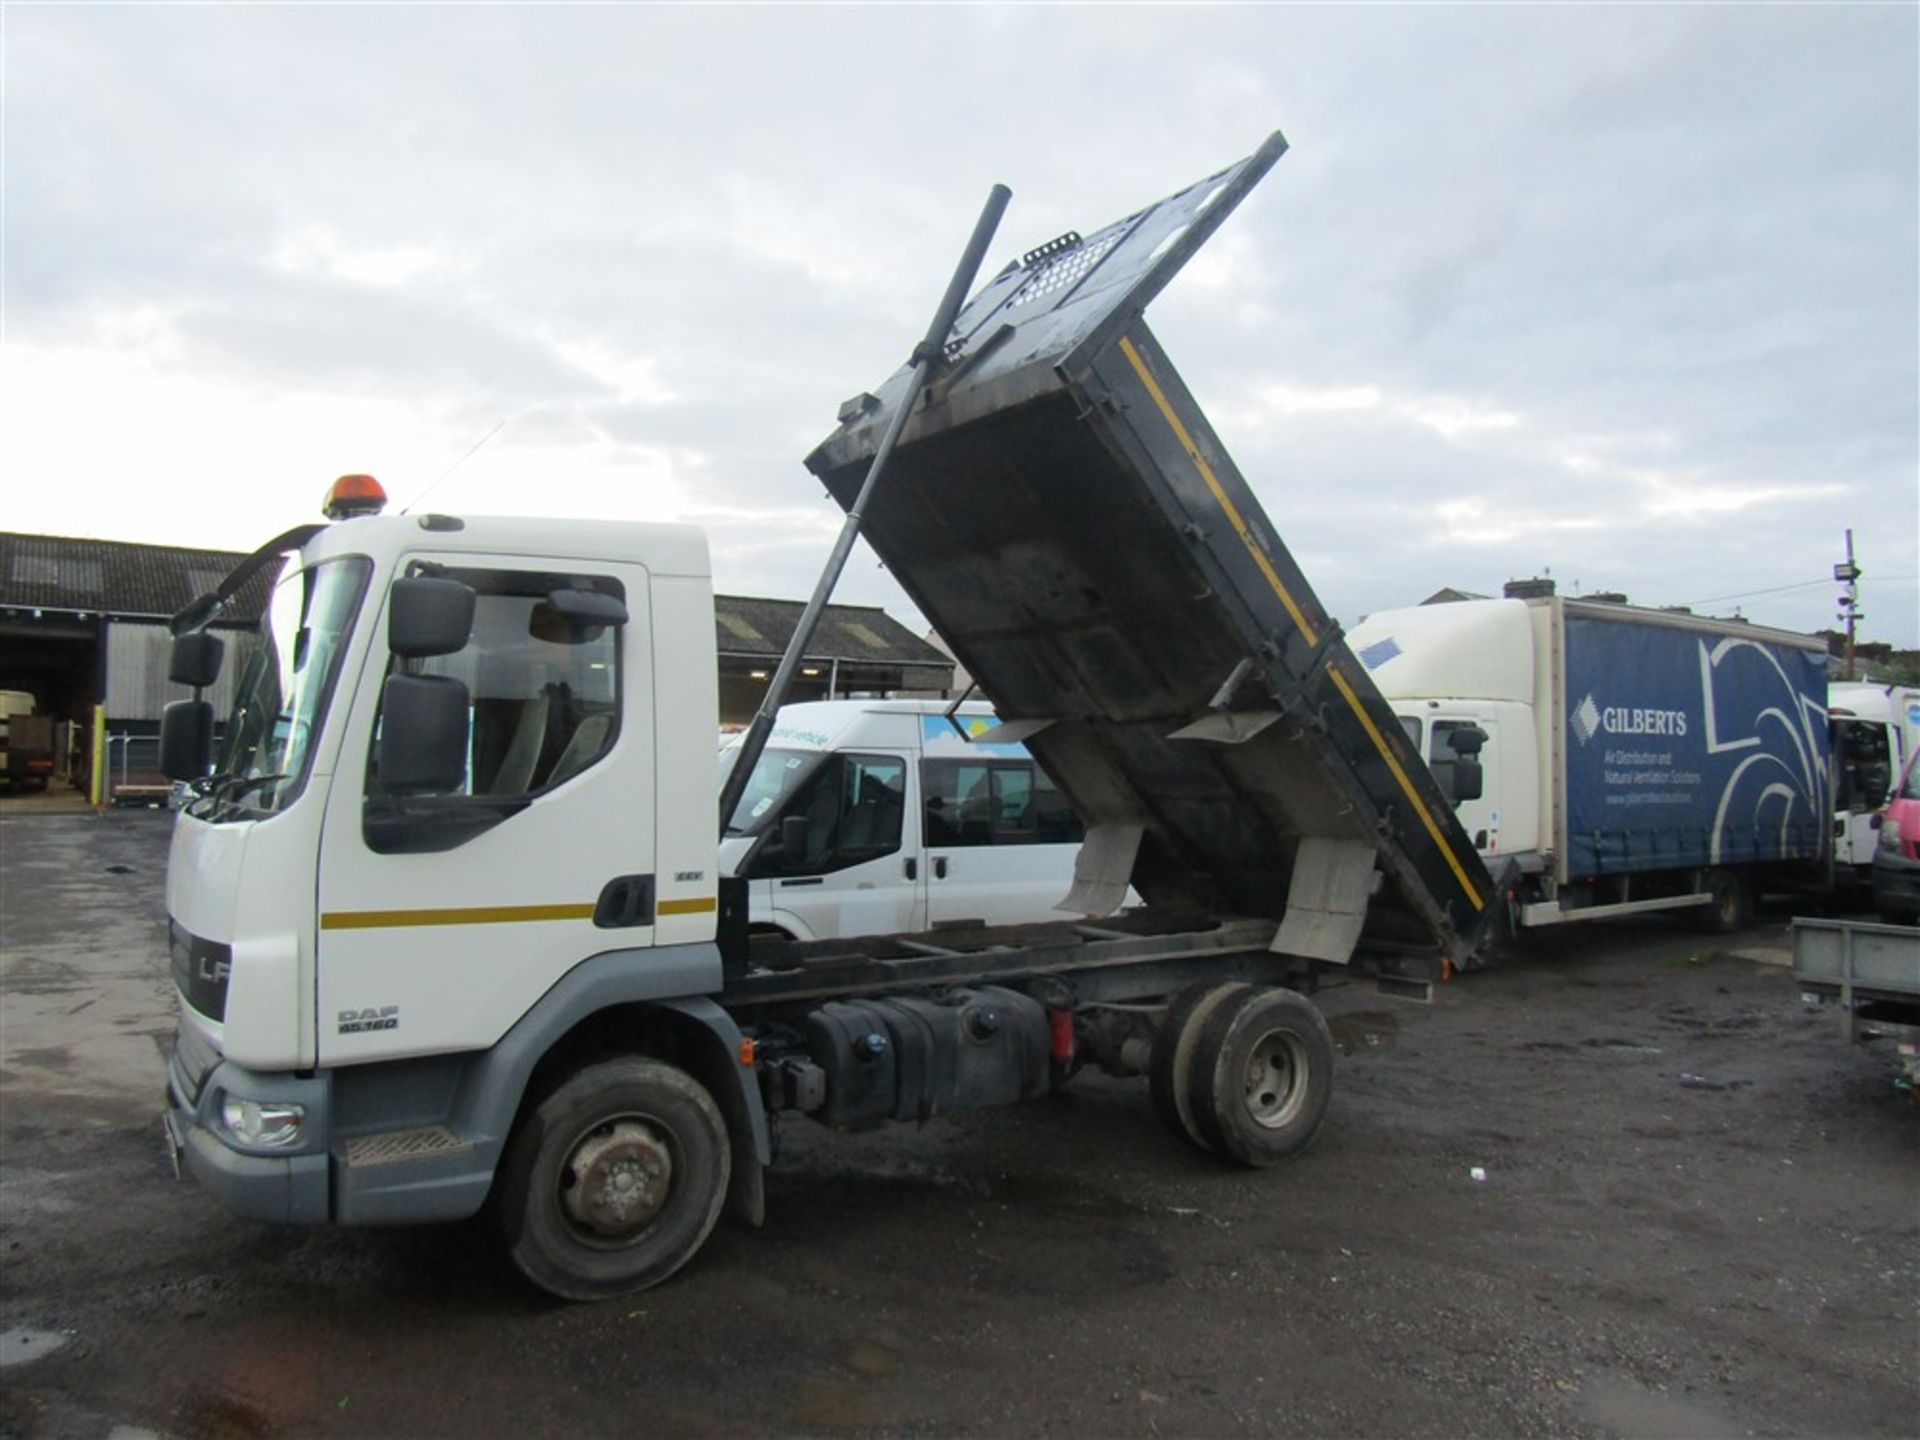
{"x": 1689, "y": 746}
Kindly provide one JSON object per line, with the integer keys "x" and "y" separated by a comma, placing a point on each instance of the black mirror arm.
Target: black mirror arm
{"x": 197, "y": 613}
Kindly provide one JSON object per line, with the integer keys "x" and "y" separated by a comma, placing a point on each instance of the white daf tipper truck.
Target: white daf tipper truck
{"x": 447, "y": 917}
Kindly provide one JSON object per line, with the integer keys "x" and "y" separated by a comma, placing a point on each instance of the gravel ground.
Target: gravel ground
{"x": 1698, "y": 1217}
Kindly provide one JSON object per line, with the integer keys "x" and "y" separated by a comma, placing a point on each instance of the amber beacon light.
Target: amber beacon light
{"x": 353, "y": 495}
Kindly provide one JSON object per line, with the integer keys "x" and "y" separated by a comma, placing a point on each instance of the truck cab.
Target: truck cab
{"x": 1875, "y": 730}
{"x": 1449, "y": 671}
{"x": 417, "y": 836}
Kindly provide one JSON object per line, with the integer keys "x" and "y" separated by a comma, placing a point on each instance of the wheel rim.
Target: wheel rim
{"x": 1276, "y": 1079}
{"x": 617, "y": 1177}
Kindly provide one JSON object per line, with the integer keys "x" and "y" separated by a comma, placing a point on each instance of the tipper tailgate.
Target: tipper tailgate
{"x": 1063, "y": 513}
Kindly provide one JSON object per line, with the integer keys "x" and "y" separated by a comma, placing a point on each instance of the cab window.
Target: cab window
{"x": 1440, "y": 754}
{"x": 850, "y": 808}
{"x": 543, "y": 706}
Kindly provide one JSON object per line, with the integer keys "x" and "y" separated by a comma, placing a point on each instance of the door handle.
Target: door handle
{"x": 625, "y": 900}
{"x": 939, "y": 867}
{"x": 913, "y": 868}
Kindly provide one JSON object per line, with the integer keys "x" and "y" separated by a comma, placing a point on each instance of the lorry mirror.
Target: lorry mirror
{"x": 575, "y": 617}
{"x": 1467, "y": 740}
{"x": 427, "y": 616}
{"x": 1469, "y": 782}
{"x": 196, "y": 658}
{"x": 186, "y": 740}
{"x": 423, "y": 734}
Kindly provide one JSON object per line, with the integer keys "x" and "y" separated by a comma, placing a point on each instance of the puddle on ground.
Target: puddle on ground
{"x": 871, "y": 1360}
{"x": 22, "y": 1347}
{"x": 821, "y": 1404}
{"x": 1628, "y": 1409}
{"x": 1365, "y": 1030}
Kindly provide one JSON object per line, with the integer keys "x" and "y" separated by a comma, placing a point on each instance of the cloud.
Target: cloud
{"x": 1630, "y": 294}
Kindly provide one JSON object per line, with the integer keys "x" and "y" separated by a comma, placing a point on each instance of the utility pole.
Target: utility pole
{"x": 1848, "y": 574}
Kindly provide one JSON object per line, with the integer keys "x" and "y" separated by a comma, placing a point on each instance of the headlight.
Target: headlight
{"x": 1890, "y": 832}
{"x": 262, "y": 1123}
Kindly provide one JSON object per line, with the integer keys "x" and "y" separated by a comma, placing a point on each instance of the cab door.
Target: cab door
{"x": 855, "y": 868}
{"x": 444, "y": 917}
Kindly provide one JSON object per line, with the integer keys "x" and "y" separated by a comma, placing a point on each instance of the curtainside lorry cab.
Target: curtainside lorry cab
{"x": 448, "y": 918}
{"x": 1875, "y": 730}
{"x": 1627, "y": 760}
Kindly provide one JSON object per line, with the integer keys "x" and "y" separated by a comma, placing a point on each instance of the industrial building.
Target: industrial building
{"x": 83, "y": 630}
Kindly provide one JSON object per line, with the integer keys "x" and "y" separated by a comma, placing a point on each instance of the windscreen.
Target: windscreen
{"x": 281, "y": 700}
{"x": 778, "y": 775}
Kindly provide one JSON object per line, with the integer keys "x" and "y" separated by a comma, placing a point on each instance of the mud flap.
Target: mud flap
{"x": 1102, "y": 870}
{"x": 1327, "y": 900}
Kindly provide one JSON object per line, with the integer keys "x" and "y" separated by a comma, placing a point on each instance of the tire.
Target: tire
{"x": 1170, "y": 1065}
{"x": 1262, "y": 1076}
{"x": 1730, "y": 907}
{"x": 617, "y": 1126}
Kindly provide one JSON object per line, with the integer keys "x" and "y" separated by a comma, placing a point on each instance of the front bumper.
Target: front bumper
{"x": 1896, "y": 886}
{"x": 290, "y": 1187}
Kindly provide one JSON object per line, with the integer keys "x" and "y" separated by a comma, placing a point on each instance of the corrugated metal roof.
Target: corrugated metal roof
{"x": 117, "y": 577}
{"x": 865, "y": 634}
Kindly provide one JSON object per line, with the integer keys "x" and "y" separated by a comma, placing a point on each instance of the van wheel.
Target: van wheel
{"x": 1730, "y": 903}
{"x": 1262, "y": 1076}
{"x": 614, "y": 1180}
{"x": 1171, "y": 1063}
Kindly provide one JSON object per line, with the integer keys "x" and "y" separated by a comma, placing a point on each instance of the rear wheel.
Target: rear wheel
{"x": 1262, "y": 1074}
{"x": 614, "y": 1180}
{"x": 1171, "y": 1062}
{"x": 1730, "y": 903}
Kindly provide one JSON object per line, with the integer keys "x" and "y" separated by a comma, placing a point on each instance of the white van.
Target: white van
{"x": 869, "y": 817}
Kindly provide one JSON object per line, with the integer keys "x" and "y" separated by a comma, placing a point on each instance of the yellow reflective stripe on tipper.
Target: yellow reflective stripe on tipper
{"x": 479, "y": 915}
{"x": 699, "y": 906}
{"x": 1219, "y": 491}
{"x": 1299, "y": 616}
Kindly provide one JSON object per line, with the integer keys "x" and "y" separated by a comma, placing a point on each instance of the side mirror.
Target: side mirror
{"x": 428, "y": 616}
{"x": 195, "y": 659}
{"x": 575, "y": 617}
{"x": 423, "y": 734}
{"x": 186, "y": 740}
{"x": 1467, "y": 740}
{"x": 1469, "y": 782}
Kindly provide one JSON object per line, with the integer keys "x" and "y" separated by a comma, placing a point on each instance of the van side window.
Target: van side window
{"x": 998, "y": 802}
{"x": 853, "y": 806}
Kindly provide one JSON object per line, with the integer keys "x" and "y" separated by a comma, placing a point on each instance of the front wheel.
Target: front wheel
{"x": 614, "y": 1180}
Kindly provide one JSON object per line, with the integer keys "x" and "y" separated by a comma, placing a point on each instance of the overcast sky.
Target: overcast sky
{"x": 1624, "y": 293}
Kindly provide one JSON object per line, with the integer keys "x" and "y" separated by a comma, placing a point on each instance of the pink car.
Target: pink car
{"x": 1896, "y": 864}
